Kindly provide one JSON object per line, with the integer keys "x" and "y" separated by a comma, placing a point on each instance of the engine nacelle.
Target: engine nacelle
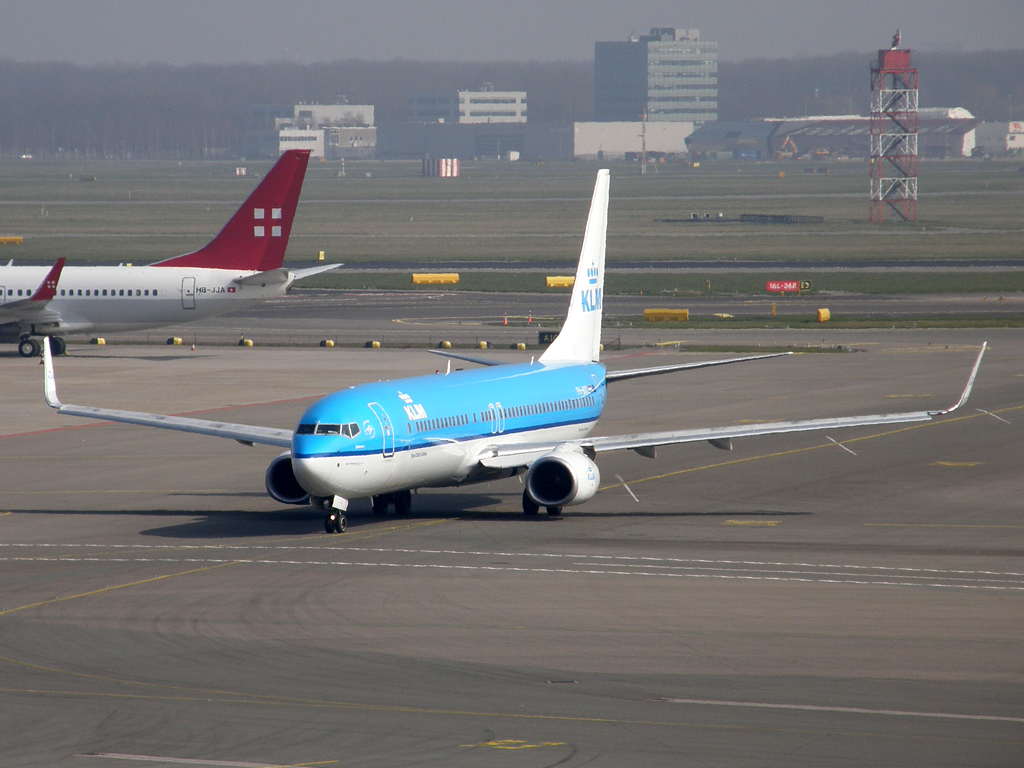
{"x": 562, "y": 478}
{"x": 281, "y": 483}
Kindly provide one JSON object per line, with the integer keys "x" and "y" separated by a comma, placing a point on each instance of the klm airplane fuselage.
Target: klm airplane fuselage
{"x": 431, "y": 430}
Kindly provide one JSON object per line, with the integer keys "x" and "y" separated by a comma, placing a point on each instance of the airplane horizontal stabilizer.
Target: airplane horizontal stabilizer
{"x": 281, "y": 276}
{"x": 467, "y": 358}
{"x": 34, "y": 308}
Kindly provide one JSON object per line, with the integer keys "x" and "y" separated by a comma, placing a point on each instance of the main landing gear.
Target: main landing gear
{"x": 402, "y": 501}
{"x": 29, "y": 347}
{"x": 530, "y": 507}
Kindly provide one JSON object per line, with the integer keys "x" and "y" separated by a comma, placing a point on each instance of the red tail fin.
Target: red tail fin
{"x": 256, "y": 236}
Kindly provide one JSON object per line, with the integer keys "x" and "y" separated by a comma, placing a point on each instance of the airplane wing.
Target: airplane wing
{"x": 34, "y": 308}
{"x": 523, "y": 454}
{"x": 243, "y": 433}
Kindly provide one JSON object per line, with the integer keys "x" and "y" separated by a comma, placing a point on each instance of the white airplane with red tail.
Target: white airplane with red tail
{"x": 242, "y": 265}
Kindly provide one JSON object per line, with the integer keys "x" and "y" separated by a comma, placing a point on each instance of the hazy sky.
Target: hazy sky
{"x": 228, "y": 31}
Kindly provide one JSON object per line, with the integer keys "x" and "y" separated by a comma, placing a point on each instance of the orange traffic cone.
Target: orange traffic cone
{"x": 506, "y": 319}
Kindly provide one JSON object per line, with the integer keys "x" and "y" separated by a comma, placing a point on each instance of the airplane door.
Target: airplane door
{"x": 497, "y": 418}
{"x": 188, "y": 293}
{"x": 387, "y": 431}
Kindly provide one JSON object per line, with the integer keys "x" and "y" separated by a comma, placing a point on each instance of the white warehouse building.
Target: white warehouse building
{"x": 612, "y": 141}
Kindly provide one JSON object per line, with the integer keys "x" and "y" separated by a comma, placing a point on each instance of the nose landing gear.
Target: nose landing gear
{"x": 335, "y": 522}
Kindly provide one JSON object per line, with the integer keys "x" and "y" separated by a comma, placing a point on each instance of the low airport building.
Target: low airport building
{"x": 331, "y": 131}
{"x": 483, "y": 106}
{"x": 942, "y": 132}
{"x": 999, "y": 139}
{"x": 475, "y": 141}
{"x": 626, "y": 140}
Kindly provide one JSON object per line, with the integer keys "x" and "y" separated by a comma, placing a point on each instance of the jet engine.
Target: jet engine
{"x": 562, "y": 478}
{"x": 281, "y": 483}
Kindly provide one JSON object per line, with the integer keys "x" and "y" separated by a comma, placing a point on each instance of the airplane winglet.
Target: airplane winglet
{"x": 970, "y": 384}
{"x": 48, "y": 288}
{"x": 49, "y": 383}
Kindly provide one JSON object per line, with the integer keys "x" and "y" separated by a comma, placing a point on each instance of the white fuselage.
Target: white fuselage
{"x": 104, "y": 299}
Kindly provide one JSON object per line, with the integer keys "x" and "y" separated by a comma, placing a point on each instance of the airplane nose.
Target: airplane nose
{"x": 314, "y": 475}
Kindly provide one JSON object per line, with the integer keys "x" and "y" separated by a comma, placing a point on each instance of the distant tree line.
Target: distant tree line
{"x": 990, "y": 84}
{"x": 199, "y": 111}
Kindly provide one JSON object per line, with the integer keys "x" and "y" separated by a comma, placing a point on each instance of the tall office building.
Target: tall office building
{"x": 670, "y": 74}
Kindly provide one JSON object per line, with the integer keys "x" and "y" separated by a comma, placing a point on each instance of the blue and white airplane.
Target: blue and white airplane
{"x": 385, "y": 439}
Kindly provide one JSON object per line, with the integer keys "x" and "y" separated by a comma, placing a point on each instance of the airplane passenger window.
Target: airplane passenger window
{"x": 61, "y": 291}
{"x": 86, "y": 293}
{"x": 122, "y": 291}
{"x": 138, "y": 292}
{"x": 147, "y": 293}
{"x": 79, "y": 291}
{"x": 104, "y": 291}
{"x": 154, "y": 293}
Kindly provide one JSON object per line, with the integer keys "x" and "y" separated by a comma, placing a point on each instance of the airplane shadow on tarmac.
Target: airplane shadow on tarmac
{"x": 298, "y": 521}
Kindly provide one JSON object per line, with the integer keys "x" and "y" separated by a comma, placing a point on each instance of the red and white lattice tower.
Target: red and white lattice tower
{"x": 893, "y": 136}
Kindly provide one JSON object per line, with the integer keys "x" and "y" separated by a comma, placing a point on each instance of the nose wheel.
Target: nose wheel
{"x": 335, "y": 522}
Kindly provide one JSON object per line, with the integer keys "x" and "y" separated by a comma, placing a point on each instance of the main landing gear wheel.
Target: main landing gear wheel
{"x": 403, "y": 502}
{"x": 530, "y": 507}
{"x": 380, "y": 505}
{"x": 335, "y": 522}
{"x": 29, "y": 348}
{"x": 57, "y": 345}
{"x": 554, "y": 511}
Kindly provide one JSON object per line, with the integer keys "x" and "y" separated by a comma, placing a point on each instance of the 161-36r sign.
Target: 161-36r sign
{"x": 788, "y": 286}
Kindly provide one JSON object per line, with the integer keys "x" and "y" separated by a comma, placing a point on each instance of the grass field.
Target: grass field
{"x": 386, "y": 212}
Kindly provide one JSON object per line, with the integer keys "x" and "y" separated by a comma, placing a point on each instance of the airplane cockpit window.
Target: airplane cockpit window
{"x": 329, "y": 429}
{"x": 350, "y": 430}
{"x": 305, "y": 429}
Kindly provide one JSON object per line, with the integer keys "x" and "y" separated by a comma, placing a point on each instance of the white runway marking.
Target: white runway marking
{"x": 570, "y": 563}
{"x": 848, "y": 710}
